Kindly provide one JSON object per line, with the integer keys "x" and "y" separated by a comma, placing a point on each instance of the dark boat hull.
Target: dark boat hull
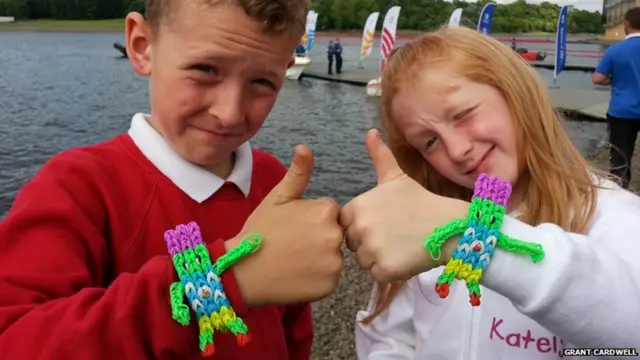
{"x": 121, "y": 48}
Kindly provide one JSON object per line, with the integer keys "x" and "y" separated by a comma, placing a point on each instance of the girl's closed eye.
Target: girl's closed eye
{"x": 465, "y": 113}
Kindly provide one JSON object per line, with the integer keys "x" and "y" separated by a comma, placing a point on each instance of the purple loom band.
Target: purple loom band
{"x": 172, "y": 242}
{"x": 183, "y": 237}
{"x": 194, "y": 234}
{"x": 492, "y": 188}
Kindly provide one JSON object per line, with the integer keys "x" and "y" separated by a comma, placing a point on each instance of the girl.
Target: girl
{"x": 458, "y": 106}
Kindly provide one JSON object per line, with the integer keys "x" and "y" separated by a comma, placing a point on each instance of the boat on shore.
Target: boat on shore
{"x": 121, "y": 48}
{"x": 373, "y": 87}
{"x": 301, "y": 63}
{"x": 531, "y": 56}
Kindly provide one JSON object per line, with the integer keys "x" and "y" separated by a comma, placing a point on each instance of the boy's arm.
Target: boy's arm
{"x": 298, "y": 326}
{"x": 56, "y": 302}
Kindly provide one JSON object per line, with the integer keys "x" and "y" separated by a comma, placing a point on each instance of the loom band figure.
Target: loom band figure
{"x": 200, "y": 283}
{"x": 193, "y": 283}
{"x": 480, "y": 235}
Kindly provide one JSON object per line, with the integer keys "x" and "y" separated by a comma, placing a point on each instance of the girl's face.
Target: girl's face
{"x": 462, "y": 128}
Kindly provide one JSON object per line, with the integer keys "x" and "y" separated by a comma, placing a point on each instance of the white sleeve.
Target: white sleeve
{"x": 391, "y": 335}
{"x": 587, "y": 288}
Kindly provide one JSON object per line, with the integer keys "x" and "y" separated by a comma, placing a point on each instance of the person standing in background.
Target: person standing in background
{"x": 330, "y": 56}
{"x": 337, "y": 50}
{"x": 301, "y": 50}
{"x": 620, "y": 68}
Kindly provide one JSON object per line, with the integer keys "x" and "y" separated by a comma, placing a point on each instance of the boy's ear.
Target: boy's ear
{"x": 291, "y": 63}
{"x": 138, "y": 43}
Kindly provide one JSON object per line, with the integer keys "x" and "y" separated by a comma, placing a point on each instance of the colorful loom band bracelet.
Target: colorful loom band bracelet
{"x": 200, "y": 283}
{"x": 480, "y": 235}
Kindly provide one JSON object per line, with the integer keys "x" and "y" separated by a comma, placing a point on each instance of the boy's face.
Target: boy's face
{"x": 214, "y": 77}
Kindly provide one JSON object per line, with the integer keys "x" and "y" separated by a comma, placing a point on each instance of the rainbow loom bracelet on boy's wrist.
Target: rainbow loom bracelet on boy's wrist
{"x": 200, "y": 283}
{"x": 480, "y": 235}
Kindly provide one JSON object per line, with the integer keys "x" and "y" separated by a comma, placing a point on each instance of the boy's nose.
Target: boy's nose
{"x": 227, "y": 106}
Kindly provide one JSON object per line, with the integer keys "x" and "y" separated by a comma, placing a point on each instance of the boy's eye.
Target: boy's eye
{"x": 205, "y": 69}
{"x": 265, "y": 82}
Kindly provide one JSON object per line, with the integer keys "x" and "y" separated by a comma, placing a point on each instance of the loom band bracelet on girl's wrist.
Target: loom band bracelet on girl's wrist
{"x": 200, "y": 283}
{"x": 480, "y": 235}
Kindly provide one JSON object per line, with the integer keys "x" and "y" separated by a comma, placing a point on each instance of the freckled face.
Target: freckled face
{"x": 462, "y": 128}
{"x": 215, "y": 80}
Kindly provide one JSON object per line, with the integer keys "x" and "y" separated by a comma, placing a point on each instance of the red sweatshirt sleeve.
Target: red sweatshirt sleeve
{"x": 298, "y": 325}
{"x": 56, "y": 302}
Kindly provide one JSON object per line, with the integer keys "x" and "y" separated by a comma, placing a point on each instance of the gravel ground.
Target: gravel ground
{"x": 335, "y": 315}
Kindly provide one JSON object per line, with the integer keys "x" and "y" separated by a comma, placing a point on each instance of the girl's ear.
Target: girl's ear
{"x": 291, "y": 62}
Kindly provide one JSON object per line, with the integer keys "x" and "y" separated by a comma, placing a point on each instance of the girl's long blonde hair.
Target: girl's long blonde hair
{"x": 554, "y": 179}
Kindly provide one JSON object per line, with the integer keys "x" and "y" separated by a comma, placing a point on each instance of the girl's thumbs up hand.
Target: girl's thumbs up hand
{"x": 388, "y": 225}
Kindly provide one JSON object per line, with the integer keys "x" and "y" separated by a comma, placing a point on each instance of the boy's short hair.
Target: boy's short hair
{"x": 276, "y": 16}
{"x": 633, "y": 18}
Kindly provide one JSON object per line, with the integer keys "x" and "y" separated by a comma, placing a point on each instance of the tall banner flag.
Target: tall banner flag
{"x": 486, "y": 18}
{"x": 311, "y": 30}
{"x": 454, "y": 20}
{"x": 561, "y": 43}
{"x": 389, "y": 25}
{"x": 368, "y": 35}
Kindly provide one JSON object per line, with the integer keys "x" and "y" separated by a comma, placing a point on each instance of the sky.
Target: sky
{"x": 591, "y": 5}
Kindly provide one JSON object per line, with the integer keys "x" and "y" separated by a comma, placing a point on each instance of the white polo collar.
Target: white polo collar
{"x": 195, "y": 181}
{"x": 637, "y": 34}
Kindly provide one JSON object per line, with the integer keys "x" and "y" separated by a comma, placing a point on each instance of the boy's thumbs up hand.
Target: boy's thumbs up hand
{"x": 294, "y": 184}
{"x": 387, "y": 226}
{"x": 300, "y": 258}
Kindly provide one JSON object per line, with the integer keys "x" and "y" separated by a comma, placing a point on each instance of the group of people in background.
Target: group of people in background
{"x": 335, "y": 50}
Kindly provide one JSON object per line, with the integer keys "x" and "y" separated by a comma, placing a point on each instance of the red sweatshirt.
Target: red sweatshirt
{"x": 84, "y": 269}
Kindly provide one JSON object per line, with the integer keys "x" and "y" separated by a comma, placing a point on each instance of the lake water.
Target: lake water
{"x": 62, "y": 90}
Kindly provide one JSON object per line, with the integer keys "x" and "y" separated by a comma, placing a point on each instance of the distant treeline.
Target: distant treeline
{"x": 517, "y": 17}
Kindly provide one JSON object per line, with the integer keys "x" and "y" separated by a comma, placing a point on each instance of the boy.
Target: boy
{"x": 84, "y": 267}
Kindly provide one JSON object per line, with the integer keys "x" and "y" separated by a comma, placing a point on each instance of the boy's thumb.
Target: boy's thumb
{"x": 294, "y": 184}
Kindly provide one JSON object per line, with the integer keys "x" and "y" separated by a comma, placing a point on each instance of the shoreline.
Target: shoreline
{"x": 77, "y": 26}
{"x": 117, "y": 26}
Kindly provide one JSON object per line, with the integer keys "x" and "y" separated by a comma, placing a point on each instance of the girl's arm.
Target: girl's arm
{"x": 586, "y": 289}
{"x": 391, "y": 335}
